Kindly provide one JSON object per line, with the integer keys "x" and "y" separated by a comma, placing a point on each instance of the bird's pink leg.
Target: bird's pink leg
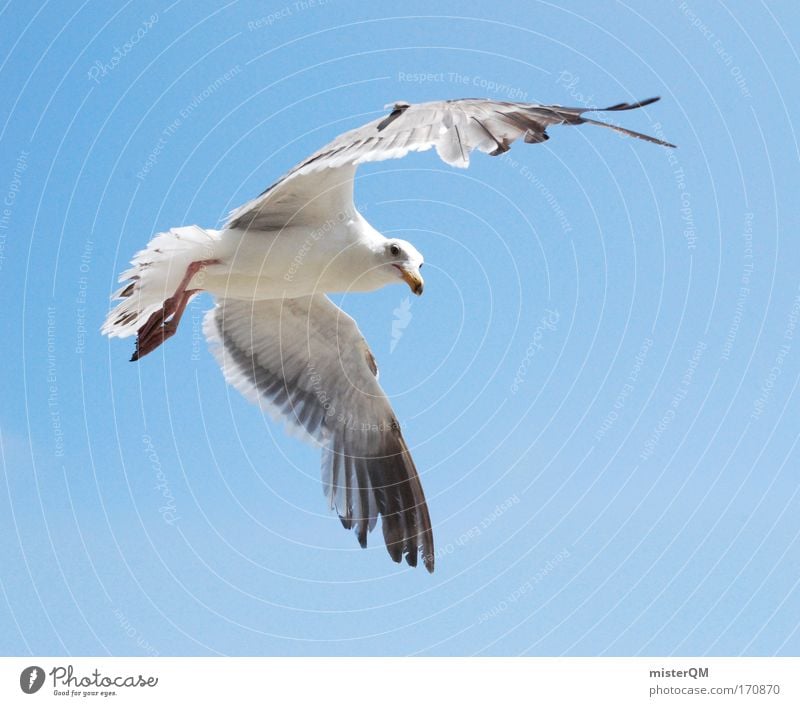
{"x": 163, "y": 323}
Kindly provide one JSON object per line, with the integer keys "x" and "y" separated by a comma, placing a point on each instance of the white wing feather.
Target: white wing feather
{"x": 321, "y": 186}
{"x": 306, "y": 362}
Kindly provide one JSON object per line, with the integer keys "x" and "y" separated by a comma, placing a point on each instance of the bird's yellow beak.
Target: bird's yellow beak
{"x": 414, "y": 280}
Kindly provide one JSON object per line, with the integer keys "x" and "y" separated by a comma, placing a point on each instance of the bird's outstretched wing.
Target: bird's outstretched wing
{"x": 305, "y": 360}
{"x": 321, "y": 187}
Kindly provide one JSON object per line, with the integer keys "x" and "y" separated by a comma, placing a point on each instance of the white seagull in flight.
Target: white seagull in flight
{"x": 282, "y": 342}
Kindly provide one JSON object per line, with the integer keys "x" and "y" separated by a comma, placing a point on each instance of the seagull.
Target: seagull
{"x": 277, "y": 336}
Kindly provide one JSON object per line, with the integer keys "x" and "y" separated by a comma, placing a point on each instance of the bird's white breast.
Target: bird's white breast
{"x": 293, "y": 262}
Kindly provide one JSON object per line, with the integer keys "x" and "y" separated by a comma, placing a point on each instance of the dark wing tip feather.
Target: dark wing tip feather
{"x": 630, "y": 133}
{"x": 629, "y": 106}
{"x": 419, "y": 535}
{"x": 393, "y": 537}
{"x": 411, "y": 556}
{"x": 362, "y": 535}
{"x": 577, "y": 117}
{"x": 391, "y": 476}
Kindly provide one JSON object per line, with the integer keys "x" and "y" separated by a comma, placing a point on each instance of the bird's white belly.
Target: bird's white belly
{"x": 294, "y": 262}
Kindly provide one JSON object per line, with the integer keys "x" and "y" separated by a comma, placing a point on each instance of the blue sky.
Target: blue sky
{"x": 599, "y": 385}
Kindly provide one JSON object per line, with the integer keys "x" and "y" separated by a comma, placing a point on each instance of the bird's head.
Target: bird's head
{"x": 401, "y": 260}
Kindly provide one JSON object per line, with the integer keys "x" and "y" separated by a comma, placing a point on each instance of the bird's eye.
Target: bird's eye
{"x": 394, "y": 250}
{"x": 421, "y": 264}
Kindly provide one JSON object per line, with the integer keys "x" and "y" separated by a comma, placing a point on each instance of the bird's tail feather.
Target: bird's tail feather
{"x": 154, "y": 275}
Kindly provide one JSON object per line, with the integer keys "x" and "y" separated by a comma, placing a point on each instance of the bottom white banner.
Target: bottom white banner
{"x": 388, "y": 681}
